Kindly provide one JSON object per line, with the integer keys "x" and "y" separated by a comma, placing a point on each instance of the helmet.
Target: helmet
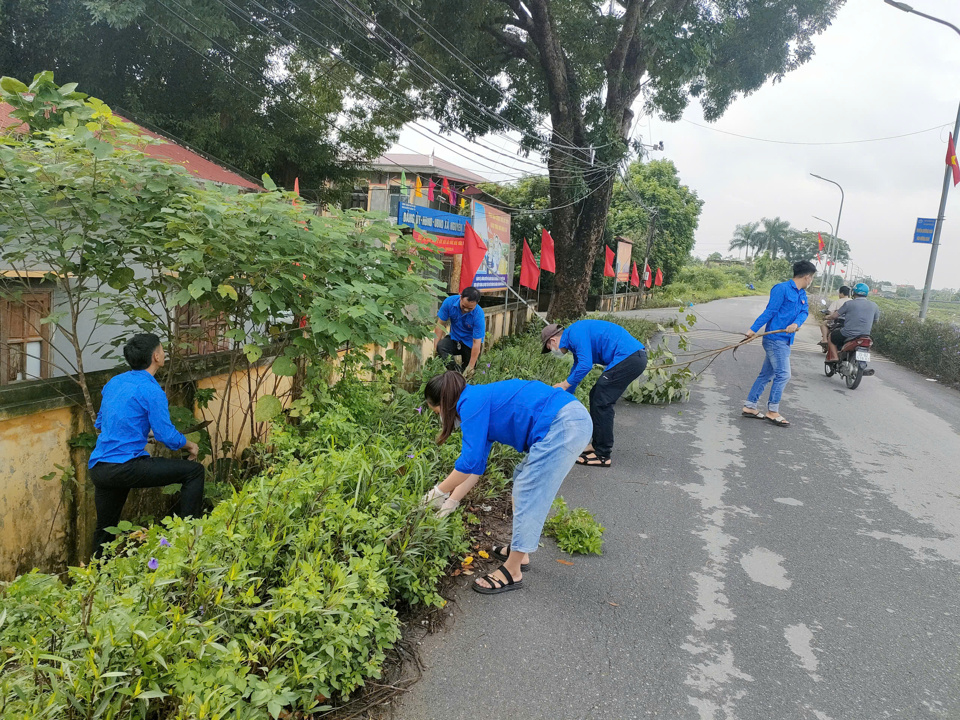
{"x": 861, "y": 289}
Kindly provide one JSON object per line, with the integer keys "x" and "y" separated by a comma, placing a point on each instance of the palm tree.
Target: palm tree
{"x": 777, "y": 235}
{"x": 746, "y": 237}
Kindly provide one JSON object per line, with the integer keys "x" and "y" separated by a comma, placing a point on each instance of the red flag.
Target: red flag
{"x": 445, "y": 190}
{"x": 608, "y": 264}
{"x": 529, "y": 272}
{"x": 430, "y": 189}
{"x": 842, "y": 272}
{"x": 647, "y": 276}
{"x": 635, "y": 276}
{"x": 547, "y": 260}
{"x": 818, "y": 257}
{"x": 952, "y": 160}
{"x": 820, "y": 246}
{"x": 473, "y": 251}
{"x": 659, "y": 279}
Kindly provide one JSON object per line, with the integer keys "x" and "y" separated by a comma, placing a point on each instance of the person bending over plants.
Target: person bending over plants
{"x": 547, "y": 423}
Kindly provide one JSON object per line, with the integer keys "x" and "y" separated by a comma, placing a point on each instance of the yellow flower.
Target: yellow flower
{"x": 484, "y": 554}
{"x": 468, "y": 559}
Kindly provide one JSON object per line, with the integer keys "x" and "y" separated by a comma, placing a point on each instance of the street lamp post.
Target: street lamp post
{"x": 823, "y": 276}
{"x": 835, "y": 245}
{"x": 925, "y": 302}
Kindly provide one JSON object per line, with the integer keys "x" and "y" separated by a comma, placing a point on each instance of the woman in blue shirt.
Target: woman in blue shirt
{"x": 548, "y": 424}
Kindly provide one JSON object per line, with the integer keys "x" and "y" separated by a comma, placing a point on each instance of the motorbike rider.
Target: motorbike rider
{"x": 858, "y": 315}
{"x": 825, "y": 327}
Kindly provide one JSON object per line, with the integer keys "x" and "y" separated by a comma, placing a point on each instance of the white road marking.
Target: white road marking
{"x": 788, "y": 501}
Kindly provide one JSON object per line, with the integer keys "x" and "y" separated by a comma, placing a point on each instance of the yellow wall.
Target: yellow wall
{"x": 228, "y": 409}
{"x": 34, "y": 524}
{"x": 37, "y": 530}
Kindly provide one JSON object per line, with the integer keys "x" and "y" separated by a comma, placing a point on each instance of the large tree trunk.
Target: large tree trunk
{"x": 580, "y": 213}
{"x": 578, "y": 234}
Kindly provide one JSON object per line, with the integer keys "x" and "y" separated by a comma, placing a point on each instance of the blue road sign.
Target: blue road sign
{"x": 924, "y": 231}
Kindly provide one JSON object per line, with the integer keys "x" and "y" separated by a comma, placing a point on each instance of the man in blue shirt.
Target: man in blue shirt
{"x": 133, "y": 404}
{"x": 597, "y": 342}
{"x": 786, "y": 310}
{"x": 467, "y": 328}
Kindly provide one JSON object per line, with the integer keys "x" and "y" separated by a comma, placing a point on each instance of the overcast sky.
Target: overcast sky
{"x": 877, "y": 72}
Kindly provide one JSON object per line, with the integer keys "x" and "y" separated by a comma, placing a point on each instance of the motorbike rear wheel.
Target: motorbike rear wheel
{"x": 829, "y": 369}
{"x": 855, "y": 376}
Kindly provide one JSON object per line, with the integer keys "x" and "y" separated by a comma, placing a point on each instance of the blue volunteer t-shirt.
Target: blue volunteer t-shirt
{"x": 133, "y": 404}
{"x": 517, "y": 413}
{"x": 596, "y": 342}
{"x": 787, "y": 305}
{"x": 464, "y": 327}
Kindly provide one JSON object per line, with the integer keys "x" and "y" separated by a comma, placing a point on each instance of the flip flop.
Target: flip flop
{"x": 757, "y": 414}
{"x": 498, "y": 550}
{"x": 591, "y": 459}
{"x": 781, "y": 421}
{"x": 498, "y": 586}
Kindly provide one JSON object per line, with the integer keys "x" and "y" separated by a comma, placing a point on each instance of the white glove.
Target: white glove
{"x": 449, "y": 505}
{"x": 435, "y": 497}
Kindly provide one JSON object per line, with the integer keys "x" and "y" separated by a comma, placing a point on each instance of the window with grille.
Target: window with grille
{"x": 24, "y": 341}
{"x": 199, "y": 333}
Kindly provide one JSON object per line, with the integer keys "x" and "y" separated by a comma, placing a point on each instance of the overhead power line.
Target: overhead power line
{"x": 797, "y": 142}
{"x": 419, "y": 128}
{"x": 323, "y": 119}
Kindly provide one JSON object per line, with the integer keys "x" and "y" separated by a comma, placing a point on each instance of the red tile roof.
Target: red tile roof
{"x": 197, "y": 164}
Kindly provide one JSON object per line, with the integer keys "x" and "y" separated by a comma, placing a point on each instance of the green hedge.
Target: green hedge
{"x": 284, "y": 596}
{"x": 931, "y": 347}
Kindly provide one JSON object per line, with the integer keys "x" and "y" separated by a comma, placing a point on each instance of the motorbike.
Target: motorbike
{"x": 852, "y": 361}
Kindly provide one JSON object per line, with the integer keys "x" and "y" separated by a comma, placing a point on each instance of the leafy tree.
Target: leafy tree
{"x": 747, "y": 237}
{"x": 776, "y": 236}
{"x": 583, "y": 66}
{"x": 127, "y": 240}
{"x": 200, "y": 71}
{"x": 767, "y": 267}
{"x": 652, "y": 185}
{"x": 656, "y": 184}
{"x": 803, "y": 245}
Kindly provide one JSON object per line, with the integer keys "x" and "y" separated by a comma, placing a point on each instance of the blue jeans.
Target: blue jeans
{"x": 776, "y": 366}
{"x": 538, "y": 477}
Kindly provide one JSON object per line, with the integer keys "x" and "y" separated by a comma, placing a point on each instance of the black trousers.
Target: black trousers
{"x": 113, "y": 481}
{"x": 449, "y": 348}
{"x": 839, "y": 339}
{"x": 604, "y": 395}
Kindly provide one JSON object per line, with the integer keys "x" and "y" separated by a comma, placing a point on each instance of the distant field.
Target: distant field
{"x": 945, "y": 311}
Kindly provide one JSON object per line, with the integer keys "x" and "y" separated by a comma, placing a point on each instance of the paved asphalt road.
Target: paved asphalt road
{"x": 749, "y": 571}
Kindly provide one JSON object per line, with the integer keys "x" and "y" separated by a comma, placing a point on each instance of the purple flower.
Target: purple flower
{"x": 200, "y": 610}
{"x": 409, "y": 456}
{"x": 488, "y": 364}
{"x": 419, "y": 410}
{"x": 153, "y": 564}
{"x": 164, "y": 542}
{"x": 484, "y": 372}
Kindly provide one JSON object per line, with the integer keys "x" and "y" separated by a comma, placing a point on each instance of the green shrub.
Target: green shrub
{"x": 575, "y": 530}
{"x": 287, "y": 593}
{"x": 931, "y": 347}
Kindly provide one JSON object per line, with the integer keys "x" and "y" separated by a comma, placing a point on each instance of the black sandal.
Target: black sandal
{"x": 498, "y": 550}
{"x": 591, "y": 459}
{"x": 498, "y": 586}
{"x": 779, "y": 420}
{"x": 755, "y": 414}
